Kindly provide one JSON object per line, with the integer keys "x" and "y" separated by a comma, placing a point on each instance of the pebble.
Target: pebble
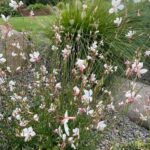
{"x": 121, "y": 130}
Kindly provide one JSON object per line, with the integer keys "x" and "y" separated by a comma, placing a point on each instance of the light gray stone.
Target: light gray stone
{"x": 7, "y": 47}
{"x": 136, "y": 108}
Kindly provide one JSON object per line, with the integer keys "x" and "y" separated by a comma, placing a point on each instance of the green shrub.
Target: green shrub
{"x": 36, "y": 6}
{"x": 4, "y": 9}
{"x": 28, "y": 2}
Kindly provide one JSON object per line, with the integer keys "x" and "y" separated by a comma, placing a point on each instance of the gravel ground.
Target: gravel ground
{"x": 121, "y": 130}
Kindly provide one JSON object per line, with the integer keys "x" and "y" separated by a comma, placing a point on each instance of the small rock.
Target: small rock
{"x": 139, "y": 107}
{"x": 12, "y": 46}
{"x": 123, "y": 130}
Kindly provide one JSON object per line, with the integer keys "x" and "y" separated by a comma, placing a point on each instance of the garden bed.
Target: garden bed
{"x": 39, "y": 12}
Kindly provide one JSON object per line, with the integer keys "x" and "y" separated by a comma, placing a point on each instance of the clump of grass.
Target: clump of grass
{"x": 37, "y": 6}
{"x": 94, "y": 23}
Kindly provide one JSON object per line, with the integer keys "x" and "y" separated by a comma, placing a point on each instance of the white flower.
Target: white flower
{"x": 54, "y": 48}
{"x": 93, "y": 78}
{"x": 2, "y": 81}
{"x": 66, "y": 128}
{"x": 23, "y": 56}
{"x": 84, "y": 6}
{"x": 130, "y": 34}
{"x": 93, "y": 48}
{"x": 89, "y": 57}
{"x": 87, "y": 97}
{"x": 84, "y": 79}
{"x": 58, "y": 86}
{"x": 8, "y": 69}
{"x": 101, "y": 126}
{"x": 15, "y": 5}
{"x": 43, "y": 69}
{"x": 131, "y": 96}
{"x": 142, "y": 117}
{"x": 34, "y": 57}
{"x": 16, "y": 45}
{"x": 59, "y": 131}
{"x": 32, "y": 13}
{"x": 115, "y": 68}
{"x": 1, "y": 116}
{"x": 42, "y": 106}
{"x": 81, "y": 110}
{"x": 76, "y": 132}
{"x": 18, "y": 117}
{"x": 10, "y": 33}
{"x": 81, "y": 64}
{"x": 11, "y": 85}
{"x": 64, "y": 137}
{"x": 15, "y": 97}
{"x": 121, "y": 103}
{"x": 66, "y": 52}
{"x": 23, "y": 123}
{"x": 111, "y": 106}
{"x": 66, "y": 119}
{"x": 108, "y": 68}
{"x": 2, "y": 59}
{"x": 16, "y": 114}
{"x": 71, "y": 141}
{"x": 118, "y": 21}
{"x": 55, "y": 71}
{"x": 58, "y": 37}
{"x": 52, "y": 108}
{"x": 36, "y": 117}
{"x": 102, "y": 43}
{"x": 9, "y": 118}
{"x": 65, "y": 122}
{"x": 14, "y": 54}
{"x": 76, "y": 91}
{"x": 20, "y": 3}
{"x": 101, "y": 56}
{"x": 28, "y": 133}
{"x": 5, "y": 18}
{"x": 89, "y": 111}
{"x": 18, "y": 68}
{"x": 116, "y": 6}
{"x": 147, "y": 53}
{"x": 137, "y": 67}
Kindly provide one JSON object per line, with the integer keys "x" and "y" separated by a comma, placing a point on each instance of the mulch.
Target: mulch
{"x": 40, "y": 12}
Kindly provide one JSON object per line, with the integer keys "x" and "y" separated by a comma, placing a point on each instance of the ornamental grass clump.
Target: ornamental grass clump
{"x": 116, "y": 31}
